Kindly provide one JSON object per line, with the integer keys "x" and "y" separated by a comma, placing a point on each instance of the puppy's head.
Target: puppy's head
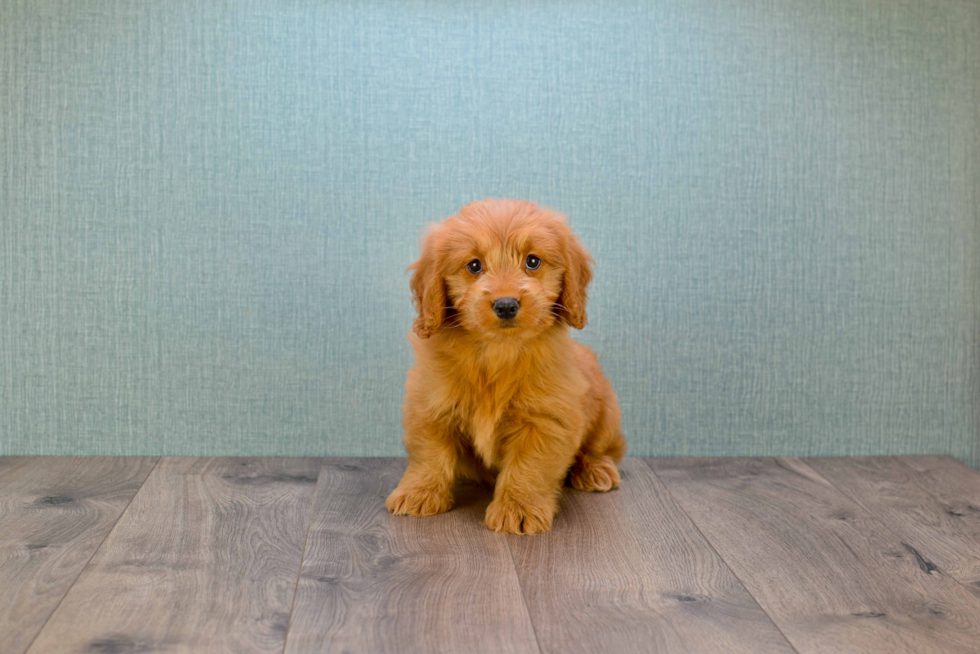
{"x": 501, "y": 269}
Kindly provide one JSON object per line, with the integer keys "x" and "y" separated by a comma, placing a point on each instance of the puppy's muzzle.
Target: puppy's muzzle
{"x": 506, "y": 307}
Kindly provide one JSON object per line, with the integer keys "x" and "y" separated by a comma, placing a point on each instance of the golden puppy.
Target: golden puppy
{"x": 499, "y": 392}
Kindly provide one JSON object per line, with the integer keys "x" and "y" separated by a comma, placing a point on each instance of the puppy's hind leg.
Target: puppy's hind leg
{"x": 595, "y": 466}
{"x": 597, "y": 474}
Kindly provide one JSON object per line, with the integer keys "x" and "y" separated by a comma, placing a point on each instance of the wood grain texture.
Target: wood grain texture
{"x": 937, "y": 512}
{"x": 205, "y": 559}
{"x": 54, "y": 513}
{"x": 372, "y": 582}
{"x": 956, "y": 484}
{"x": 627, "y": 571}
{"x": 830, "y": 575}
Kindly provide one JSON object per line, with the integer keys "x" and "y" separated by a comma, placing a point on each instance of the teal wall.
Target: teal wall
{"x": 207, "y": 208}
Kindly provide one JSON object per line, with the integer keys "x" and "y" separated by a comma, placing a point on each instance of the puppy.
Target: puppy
{"x": 499, "y": 392}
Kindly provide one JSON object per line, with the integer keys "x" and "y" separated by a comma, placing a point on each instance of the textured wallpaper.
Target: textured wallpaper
{"x": 207, "y": 209}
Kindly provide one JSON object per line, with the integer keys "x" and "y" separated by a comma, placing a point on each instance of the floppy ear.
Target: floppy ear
{"x": 578, "y": 274}
{"x": 428, "y": 290}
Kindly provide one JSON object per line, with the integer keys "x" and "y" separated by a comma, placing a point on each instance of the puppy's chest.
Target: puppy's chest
{"x": 483, "y": 437}
{"x": 484, "y": 411}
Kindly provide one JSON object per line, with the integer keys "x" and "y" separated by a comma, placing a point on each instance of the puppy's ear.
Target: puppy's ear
{"x": 578, "y": 274}
{"x": 428, "y": 289}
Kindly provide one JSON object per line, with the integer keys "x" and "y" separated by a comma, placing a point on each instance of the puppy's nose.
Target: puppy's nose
{"x": 506, "y": 307}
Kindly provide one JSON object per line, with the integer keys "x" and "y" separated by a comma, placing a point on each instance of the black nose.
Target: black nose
{"x": 506, "y": 307}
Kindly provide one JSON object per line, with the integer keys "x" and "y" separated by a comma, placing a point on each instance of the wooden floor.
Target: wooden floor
{"x": 126, "y": 555}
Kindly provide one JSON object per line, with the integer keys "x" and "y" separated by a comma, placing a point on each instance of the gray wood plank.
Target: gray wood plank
{"x": 372, "y": 582}
{"x": 205, "y": 559}
{"x": 829, "y": 574}
{"x": 54, "y": 513}
{"x": 955, "y": 483}
{"x": 627, "y": 571}
{"x": 940, "y": 518}
{"x": 958, "y": 487}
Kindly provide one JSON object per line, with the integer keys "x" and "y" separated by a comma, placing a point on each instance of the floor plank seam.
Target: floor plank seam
{"x": 94, "y": 552}
{"x": 527, "y": 607}
{"x": 891, "y": 531}
{"x": 718, "y": 554}
{"x": 302, "y": 560}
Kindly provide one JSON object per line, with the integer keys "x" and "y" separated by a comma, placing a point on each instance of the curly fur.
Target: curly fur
{"x": 516, "y": 403}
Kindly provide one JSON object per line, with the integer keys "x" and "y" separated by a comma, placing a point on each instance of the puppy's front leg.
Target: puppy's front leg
{"x": 426, "y": 487}
{"x": 525, "y": 498}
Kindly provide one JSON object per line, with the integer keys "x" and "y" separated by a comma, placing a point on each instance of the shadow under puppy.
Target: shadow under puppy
{"x": 500, "y": 393}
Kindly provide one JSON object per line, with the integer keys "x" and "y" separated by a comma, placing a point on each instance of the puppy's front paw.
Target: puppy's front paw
{"x": 512, "y": 517}
{"x": 418, "y": 501}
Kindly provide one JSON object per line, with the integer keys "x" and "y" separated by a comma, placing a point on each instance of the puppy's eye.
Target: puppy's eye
{"x": 532, "y": 263}
{"x": 474, "y": 266}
